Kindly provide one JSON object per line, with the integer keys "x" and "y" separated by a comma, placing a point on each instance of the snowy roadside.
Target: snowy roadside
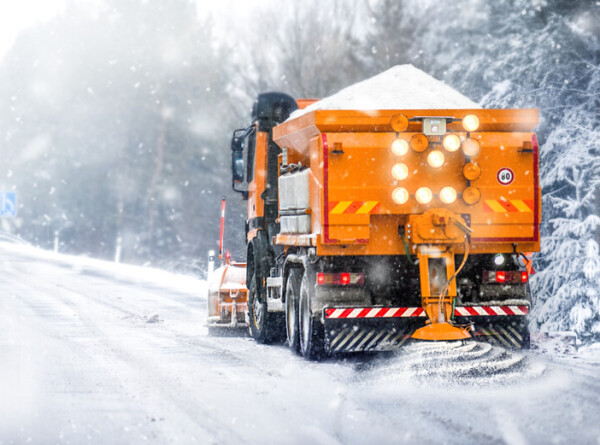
{"x": 181, "y": 283}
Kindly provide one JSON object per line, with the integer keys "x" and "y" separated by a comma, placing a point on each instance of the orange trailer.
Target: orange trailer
{"x": 367, "y": 229}
{"x": 227, "y": 299}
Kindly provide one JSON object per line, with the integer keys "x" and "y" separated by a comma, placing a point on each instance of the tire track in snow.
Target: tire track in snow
{"x": 56, "y": 307}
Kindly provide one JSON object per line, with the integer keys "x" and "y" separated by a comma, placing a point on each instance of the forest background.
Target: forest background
{"x": 116, "y": 120}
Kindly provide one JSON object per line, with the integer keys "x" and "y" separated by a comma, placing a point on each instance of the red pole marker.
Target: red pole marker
{"x": 222, "y": 227}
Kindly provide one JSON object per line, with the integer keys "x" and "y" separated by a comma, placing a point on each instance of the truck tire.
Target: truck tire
{"x": 265, "y": 328}
{"x": 312, "y": 334}
{"x": 257, "y": 312}
{"x": 292, "y": 296}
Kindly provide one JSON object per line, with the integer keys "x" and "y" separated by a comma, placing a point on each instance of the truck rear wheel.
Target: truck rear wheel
{"x": 312, "y": 334}
{"x": 257, "y": 312}
{"x": 265, "y": 327}
{"x": 292, "y": 295}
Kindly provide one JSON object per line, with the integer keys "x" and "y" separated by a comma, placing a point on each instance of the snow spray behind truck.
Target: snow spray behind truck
{"x": 368, "y": 229}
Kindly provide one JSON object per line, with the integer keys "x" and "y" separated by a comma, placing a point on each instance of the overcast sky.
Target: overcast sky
{"x": 16, "y": 15}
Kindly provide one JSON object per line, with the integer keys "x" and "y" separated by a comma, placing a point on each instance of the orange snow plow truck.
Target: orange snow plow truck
{"x": 369, "y": 229}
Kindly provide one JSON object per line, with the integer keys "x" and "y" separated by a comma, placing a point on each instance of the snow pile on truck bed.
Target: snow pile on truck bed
{"x": 401, "y": 87}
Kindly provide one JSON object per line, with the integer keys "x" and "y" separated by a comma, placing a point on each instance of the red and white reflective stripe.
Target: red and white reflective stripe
{"x": 374, "y": 312}
{"x": 474, "y": 311}
{"x": 401, "y": 312}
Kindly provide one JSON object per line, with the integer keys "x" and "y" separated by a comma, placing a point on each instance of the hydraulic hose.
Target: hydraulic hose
{"x": 462, "y": 264}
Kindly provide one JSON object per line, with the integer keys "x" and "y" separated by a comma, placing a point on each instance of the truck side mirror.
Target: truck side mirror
{"x": 237, "y": 161}
{"x": 237, "y": 166}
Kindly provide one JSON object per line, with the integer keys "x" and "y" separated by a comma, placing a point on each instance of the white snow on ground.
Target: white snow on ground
{"x": 401, "y": 87}
{"x": 149, "y": 275}
{"x": 81, "y": 364}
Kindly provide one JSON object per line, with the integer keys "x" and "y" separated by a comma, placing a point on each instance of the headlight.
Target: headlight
{"x": 399, "y": 147}
{"x": 400, "y": 195}
{"x": 499, "y": 259}
{"x": 470, "y": 122}
{"x": 451, "y": 142}
{"x": 471, "y": 147}
{"x": 400, "y": 171}
{"x": 419, "y": 143}
{"x": 435, "y": 159}
{"x": 471, "y": 195}
{"x": 448, "y": 195}
{"x": 423, "y": 195}
{"x": 471, "y": 171}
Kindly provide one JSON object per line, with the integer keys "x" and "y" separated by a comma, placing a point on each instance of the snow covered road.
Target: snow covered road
{"x": 93, "y": 352}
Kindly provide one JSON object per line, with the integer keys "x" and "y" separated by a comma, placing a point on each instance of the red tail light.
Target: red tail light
{"x": 501, "y": 276}
{"x": 343, "y": 279}
{"x": 320, "y": 278}
{"x": 505, "y": 276}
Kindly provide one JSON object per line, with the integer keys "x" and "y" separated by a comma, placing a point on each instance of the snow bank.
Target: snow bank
{"x": 136, "y": 274}
{"x": 400, "y": 87}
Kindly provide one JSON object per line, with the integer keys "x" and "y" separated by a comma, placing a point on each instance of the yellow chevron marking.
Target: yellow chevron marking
{"x": 340, "y": 207}
{"x": 495, "y": 205}
{"x": 520, "y": 205}
{"x": 367, "y": 207}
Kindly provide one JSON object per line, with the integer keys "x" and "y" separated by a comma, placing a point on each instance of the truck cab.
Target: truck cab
{"x": 255, "y": 166}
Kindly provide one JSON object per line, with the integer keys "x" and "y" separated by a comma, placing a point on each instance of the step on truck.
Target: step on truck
{"x": 366, "y": 230}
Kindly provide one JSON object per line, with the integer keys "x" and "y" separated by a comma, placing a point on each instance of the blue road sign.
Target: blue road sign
{"x": 8, "y": 204}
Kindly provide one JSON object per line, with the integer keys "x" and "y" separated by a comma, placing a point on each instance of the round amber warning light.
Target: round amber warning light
{"x": 451, "y": 142}
{"x": 470, "y": 122}
{"x": 400, "y": 172}
{"x": 423, "y": 195}
{"x": 400, "y": 195}
{"x": 399, "y": 123}
{"x": 471, "y": 171}
{"x": 419, "y": 143}
{"x": 399, "y": 147}
{"x": 448, "y": 195}
{"x": 471, "y": 147}
{"x": 471, "y": 195}
{"x": 435, "y": 159}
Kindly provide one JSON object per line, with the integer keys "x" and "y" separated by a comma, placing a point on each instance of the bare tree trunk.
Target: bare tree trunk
{"x": 122, "y": 167}
{"x": 151, "y": 200}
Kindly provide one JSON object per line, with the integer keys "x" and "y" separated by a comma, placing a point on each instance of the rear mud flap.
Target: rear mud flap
{"x": 508, "y": 332}
{"x": 368, "y": 335}
{"x": 379, "y": 334}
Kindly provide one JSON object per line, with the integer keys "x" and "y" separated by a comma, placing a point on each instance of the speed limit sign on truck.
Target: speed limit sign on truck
{"x": 505, "y": 176}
